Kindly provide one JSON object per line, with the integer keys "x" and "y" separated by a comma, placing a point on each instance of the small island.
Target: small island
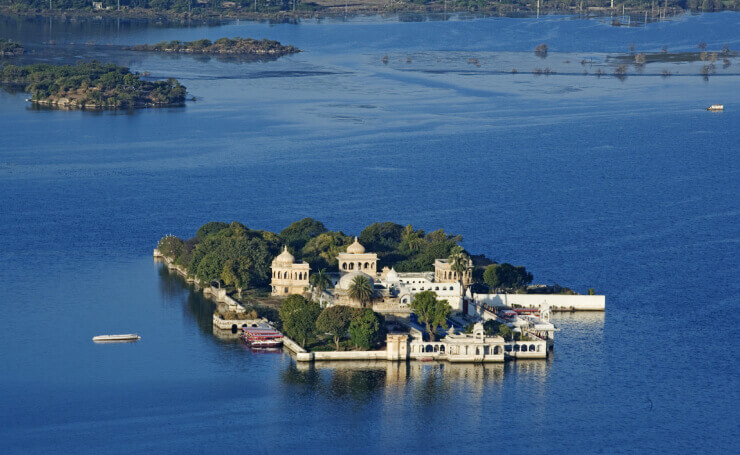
{"x": 10, "y": 48}
{"x": 384, "y": 294}
{"x": 222, "y": 46}
{"x": 92, "y": 85}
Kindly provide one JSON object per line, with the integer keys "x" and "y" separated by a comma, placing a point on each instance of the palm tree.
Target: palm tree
{"x": 320, "y": 282}
{"x": 361, "y": 289}
{"x": 459, "y": 261}
{"x": 411, "y": 239}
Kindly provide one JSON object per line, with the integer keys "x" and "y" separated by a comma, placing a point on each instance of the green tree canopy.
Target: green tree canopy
{"x": 171, "y": 246}
{"x": 299, "y": 317}
{"x": 381, "y": 237}
{"x": 366, "y": 329}
{"x": 322, "y": 250}
{"x": 506, "y": 276}
{"x": 299, "y": 233}
{"x": 430, "y": 311}
{"x": 212, "y": 227}
{"x": 335, "y": 320}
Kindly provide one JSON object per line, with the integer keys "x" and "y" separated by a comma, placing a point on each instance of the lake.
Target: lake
{"x": 627, "y": 186}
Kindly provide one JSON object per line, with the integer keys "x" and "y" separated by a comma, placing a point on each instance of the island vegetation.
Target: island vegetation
{"x": 337, "y": 327}
{"x": 233, "y": 256}
{"x": 10, "y": 48}
{"x": 92, "y": 85}
{"x": 240, "y": 258}
{"x": 222, "y": 46}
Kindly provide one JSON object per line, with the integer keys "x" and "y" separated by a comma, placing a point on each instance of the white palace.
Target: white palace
{"x": 393, "y": 291}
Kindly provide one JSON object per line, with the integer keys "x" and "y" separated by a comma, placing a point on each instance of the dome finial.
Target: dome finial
{"x": 356, "y": 248}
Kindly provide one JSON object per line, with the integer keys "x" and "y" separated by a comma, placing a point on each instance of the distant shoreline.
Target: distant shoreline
{"x": 408, "y": 13}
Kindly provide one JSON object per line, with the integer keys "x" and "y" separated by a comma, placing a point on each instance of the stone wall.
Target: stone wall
{"x": 557, "y": 302}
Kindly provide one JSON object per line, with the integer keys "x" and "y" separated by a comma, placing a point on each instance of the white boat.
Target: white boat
{"x": 126, "y": 337}
{"x": 716, "y": 107}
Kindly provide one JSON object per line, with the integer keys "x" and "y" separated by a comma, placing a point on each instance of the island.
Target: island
{"x": 339, "y": 297}
{"x": 92, "y": 85}
{"x": 10, "y": 48}
{"x": 222, "y": 46}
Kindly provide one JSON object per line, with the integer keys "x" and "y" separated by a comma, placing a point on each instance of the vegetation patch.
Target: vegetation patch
{"x": 92, "y": 85}
{"x": 222, "y": 46}
{"x": 9, "y": 48}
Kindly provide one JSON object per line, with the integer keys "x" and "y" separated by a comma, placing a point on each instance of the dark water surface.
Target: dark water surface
{"x": 626, "y": 186}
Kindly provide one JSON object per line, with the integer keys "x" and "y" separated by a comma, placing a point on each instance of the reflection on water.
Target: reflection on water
{"x": 425, "y": 382}
{"x": 173, "y": 287}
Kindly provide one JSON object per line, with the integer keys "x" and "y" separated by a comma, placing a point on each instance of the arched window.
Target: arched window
{"x": 477, "y": 350}
{"x": 486, "y": 350}
{"x": 280, "y": 275}
{"x": 516, "y": 348}
{"x": 496, "y": 350}
{"x": 372, "y": 266}
{"x": 430, "y": 348}
{"x": 436, "y": 288}
{"x": 531, "y": 348}
{"x": 442, "y": 348}
{"x": 367, "y": 265}
{"x": 351, "y": 265}
{"x": 436, "y": 348}
{"x": 524, "y": 348}
{"x": 344, "y": 266}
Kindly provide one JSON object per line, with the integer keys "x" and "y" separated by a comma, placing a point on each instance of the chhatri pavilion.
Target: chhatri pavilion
{"x": 392, "y": 291}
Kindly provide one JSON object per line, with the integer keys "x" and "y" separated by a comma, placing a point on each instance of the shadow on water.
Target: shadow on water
{"x": 174, "y": 288}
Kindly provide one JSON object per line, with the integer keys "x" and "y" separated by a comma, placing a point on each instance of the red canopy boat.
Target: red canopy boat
{"x": 262, "y": 337}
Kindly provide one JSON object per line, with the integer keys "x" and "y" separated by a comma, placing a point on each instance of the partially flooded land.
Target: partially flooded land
{"x": 222, "y": 46}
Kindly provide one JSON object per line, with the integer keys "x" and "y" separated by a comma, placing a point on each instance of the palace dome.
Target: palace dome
{"x": 285, "y": 257}
{"x": 346, "y": 280}
{"x": 356, "y": 248}
{"x": 392, "y": 276}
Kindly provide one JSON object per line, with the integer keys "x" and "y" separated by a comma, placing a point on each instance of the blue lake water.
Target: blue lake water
{"x": 627, "y": 186}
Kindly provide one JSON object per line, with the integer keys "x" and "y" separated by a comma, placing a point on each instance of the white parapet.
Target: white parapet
{"x": 557, "y": 302}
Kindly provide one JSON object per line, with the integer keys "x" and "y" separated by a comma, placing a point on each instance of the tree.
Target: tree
{"x": 335, "y": 320}
{"x": 541, "y": 50}
{"x": 459, "y": 261}
{"x": 366, "y": 329}
{"x": 361, "y": 289}
{"x": 320, "y": 281}
{"x": 430, "y": 311}
{"x": 412, "y": 240}
{"x": 506, "y": 276}
{"x": 170, "y": 246}
{"x": 505, "y": 332}
{"x": 299, "y": 233}
{"x": 210, "y": 228}
{"x": 382, "y": 237}
{"x": 299, "y": 318}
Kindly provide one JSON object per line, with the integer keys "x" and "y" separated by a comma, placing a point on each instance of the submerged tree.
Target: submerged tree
{"x": 541, "y": 50}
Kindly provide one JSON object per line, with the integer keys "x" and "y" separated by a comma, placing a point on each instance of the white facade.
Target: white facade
{"x": 409, "y": 284}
